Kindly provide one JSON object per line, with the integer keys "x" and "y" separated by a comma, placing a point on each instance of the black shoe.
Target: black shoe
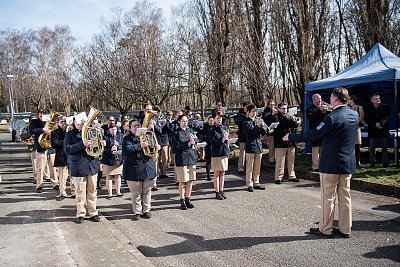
{"x": 79, "y": 220}
{"x": 73, "y": 196}
{"x": 136, "y": 217}
{"x": 120, "y": 195}
{"x": 57, "y": 187}
{"x": 219, "y": 196}
{"x": 183, "y": 205}
{"x": 95, "y": 218}
{"x": 296, "y": 180}
{"x": 108, "y": 197}
{"x": 250, "y": 189}
{"x": 146, "y": 215}
{"x": 208, "y": 178}
{"x": 60, "y": 198}
{"x": 259, "y": 187}
{"x": 222, "y": 194}
{"x": 315, "y": 231}
{"x": 278, "y": 181}
{"x": 188, "y": 203}
{"x": 336, "y": 230}
{"x": 39, "y": 190}
{"x": 154, "y": 188}
{"x": 163, "y": 176}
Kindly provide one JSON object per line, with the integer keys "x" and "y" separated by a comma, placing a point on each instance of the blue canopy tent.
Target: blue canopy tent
{"x": 377, "y": 72}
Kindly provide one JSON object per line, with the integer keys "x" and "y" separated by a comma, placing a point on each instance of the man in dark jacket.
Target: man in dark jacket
{"x": 315, "y": 114}
{"x": 377, "y": 118}
{"x": 37, "y": 127}
{"x": 139, "y": 171}
{"x": 60, "y": 160}
{"x": 284, "y": 150}
{"x": 163, "y": 140}
{"x": 338, "y": 132}
{"x": 268, "y": 116}
{"x": 240, "y": 117}
{"x": 254, "y": 129}
{"x": 84, "y": 169}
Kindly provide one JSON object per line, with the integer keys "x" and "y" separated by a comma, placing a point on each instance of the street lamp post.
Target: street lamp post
{"x": 13, "y": 131}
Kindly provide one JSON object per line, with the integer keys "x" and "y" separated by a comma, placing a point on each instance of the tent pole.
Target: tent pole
{"x": 397, "y": 114}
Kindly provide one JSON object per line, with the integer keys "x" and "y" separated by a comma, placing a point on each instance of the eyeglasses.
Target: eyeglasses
{"x": 283, "y": 108}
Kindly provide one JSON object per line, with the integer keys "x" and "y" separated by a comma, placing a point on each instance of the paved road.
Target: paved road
{"x": 264, "y": 228}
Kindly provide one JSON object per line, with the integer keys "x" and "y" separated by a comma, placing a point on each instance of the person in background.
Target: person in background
{"x": 240, "y": 117}
{"x": 37, "y": 127}
{"x": 183, "y": 142}
{"x": 284, "y": 150}
{"x": 219, "y": 138}
{"x": 139, "y": 171}
{"x": 353, "y": 104}
{"x": 112, "y": 159}
{"x": 315, "y": 114}
{"x": 60, "y": 159}
{"x": 207, "y": 148}
{"x": 163, "y": 141}
{"x": 254, "y": 129}
{"x": 338, "y": 133}
{"x": 377, "y": 118}
{"x": 269, "y": 116}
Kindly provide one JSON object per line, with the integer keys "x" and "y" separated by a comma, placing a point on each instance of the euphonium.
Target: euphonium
{"x": 44, "y": 139}
{"x": 149, "y": 136}
{"x": 93, "y": 134}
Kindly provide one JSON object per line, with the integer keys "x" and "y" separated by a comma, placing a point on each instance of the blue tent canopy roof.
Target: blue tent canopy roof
{"x": 379, "y": 64}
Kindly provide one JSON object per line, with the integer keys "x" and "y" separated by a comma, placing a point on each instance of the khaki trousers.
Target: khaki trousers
{"x": 33, "y": 160}
{"x": 86, "y": 194}
{"x": 282, "y": 154}
{"x": 163, "y": 160}
{"x": 62, "y": 177}
{"x": 333, "y": 185}
{"x": 141, "y": 195}
{"x": 253, "y": 165}
{"x": 315, "y": 157}
{"x": 41, "y": 161}
{"x": 271, "y": 148}
{"x": 242, "y": 157}
{"x": 52, "y": 170}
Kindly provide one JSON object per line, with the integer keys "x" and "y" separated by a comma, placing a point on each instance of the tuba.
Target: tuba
{"x": 149, "y": 136}
{"x": 44, "y": 139}
{"x": 93, "y": 134}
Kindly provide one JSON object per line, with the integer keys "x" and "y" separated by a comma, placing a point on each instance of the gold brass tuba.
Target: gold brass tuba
{"x": 44, "y": 139}
{"x": 93, "y": 134}
{"x": 149, "y": 136}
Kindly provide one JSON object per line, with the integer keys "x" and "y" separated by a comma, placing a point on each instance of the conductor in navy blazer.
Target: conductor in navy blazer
{"x": 338, "y": 132}
{"x": 84, "y": 169}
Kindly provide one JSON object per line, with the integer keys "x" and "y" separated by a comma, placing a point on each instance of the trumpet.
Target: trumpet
{"x": 326, "y": 106}
{"x": 259, "y": 121}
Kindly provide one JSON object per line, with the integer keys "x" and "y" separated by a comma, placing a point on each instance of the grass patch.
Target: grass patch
{"x": 389, "y": 175}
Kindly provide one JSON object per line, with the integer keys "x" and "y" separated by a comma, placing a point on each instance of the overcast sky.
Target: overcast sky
{"x": 82, "y": 16}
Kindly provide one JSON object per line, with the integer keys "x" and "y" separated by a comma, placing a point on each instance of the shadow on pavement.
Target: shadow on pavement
{"x": 388, "y": 252}
{"x": 231, "y": 243}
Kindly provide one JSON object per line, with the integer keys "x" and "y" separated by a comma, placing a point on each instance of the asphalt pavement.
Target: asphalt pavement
{"x": 263, "y": 228}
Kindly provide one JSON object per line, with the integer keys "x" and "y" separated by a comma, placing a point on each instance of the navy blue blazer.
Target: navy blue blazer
{"x": 285, "y": 125}
{"x": 162, "y": 135}
{"x": 108, "y": 158}
{"x": 136, "y": 166}
{"x": 57, "y": 143}
{"x": 184, "y": 155}
{"x": 215, "y": 135}
{"x": 253, "y": 136}
{"x": 338, "y": 132}
{"x": 81, "y": 164}
{"x": 36, "y": 127}
{"x": 239, "y": 119}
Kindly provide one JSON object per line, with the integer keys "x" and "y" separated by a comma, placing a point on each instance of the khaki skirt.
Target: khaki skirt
{"x": 112, "y": 170}
{"x": 185, "y": 173}
{"x": 219, "y": 163}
